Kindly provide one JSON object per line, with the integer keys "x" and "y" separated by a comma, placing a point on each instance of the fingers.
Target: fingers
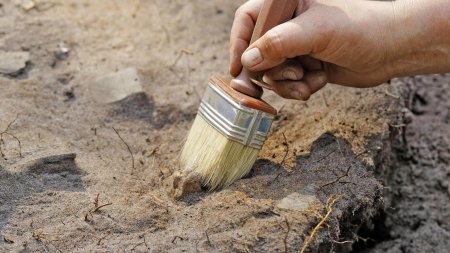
{"x": 241, "y": 33}
{"x": 289, "y": 70}
{"x": 299, "y": 89}
{"x": 316, "y": 80}
{"x": 288, "y": 40}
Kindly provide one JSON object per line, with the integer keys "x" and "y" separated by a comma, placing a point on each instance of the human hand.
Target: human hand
{"x": 352, "y": 43}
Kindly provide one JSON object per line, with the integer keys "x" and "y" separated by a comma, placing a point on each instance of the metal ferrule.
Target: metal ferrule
{"x": 239, "y": 123}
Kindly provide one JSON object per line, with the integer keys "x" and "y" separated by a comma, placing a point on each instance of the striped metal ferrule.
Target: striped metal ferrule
{"x": 236, "y": 122}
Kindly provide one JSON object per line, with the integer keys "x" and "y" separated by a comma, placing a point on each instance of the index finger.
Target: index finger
{"x": 241, "y": 32}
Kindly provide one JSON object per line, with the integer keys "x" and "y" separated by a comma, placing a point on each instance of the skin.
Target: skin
{"x": 352, "y": 43}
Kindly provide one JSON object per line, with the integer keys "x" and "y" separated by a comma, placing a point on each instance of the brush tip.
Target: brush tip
{"x": 218, "y": 161}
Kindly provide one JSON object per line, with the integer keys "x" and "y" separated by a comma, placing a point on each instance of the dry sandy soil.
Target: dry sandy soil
{"x": 84, "y": 169}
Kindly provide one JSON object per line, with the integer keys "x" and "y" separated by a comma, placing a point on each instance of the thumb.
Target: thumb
{"x": 288, "y": 40}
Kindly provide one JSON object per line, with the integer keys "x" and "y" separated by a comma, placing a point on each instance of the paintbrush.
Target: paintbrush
{"x": 231, "y": 127}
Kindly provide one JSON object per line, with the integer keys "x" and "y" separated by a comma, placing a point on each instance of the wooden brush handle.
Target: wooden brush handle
{"x": 241, "y": 98}
{"x": 273, "y": 13}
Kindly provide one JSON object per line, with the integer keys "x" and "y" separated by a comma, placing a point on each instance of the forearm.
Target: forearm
{"x": 421, "y": 34}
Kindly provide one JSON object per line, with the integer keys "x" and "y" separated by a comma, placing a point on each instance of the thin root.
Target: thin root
{"x": 6, "y": 132}
{"x": 329, "y": 207}
{"x": 128, "y": 147}
{"x": 89, "y": 214}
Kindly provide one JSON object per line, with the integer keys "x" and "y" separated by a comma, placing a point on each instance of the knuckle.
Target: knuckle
{"x": 273, "y": 44}
{"x": 240, "y": 11}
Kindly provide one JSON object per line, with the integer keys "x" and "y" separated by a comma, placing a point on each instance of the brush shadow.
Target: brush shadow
{"x": 43, "y": 175}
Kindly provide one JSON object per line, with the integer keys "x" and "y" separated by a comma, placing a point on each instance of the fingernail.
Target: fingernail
{"x": 252, "y": 57}
{"x": 296, "y": 95}
{"x": 290, "y": 75}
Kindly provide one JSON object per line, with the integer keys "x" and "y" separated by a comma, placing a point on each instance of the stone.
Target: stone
{"x": 28, "y": 5}
{"x": 62, "y": 52}
{"x": 297, "y": 201}
{"x": 185, "y": 183}
{"x": 13, "y": 62}
{"x": 116, "y": 86}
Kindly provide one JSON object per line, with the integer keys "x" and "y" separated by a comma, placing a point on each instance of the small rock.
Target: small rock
{"x": 13, "y": 62}
{"x": 69, "y": 94}
{"x": 28, "y": 5}
{"x": 116, "y": 86}
{"x": 184, "y": 184}
{"x": 62, "y": 52}
{"x": 296, "y": 201}
{"x": 408, "y": 116}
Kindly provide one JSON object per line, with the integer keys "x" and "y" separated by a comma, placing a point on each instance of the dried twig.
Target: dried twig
{"x": 362, "y": 153}
{"x": 397, "y": 125}
{"x": 97, "y": 197}
{"x": 342, "y": 242}
{"x": 359, "y": 238}
{"x": 95, "y": 208}
{"x": 145, "y": 243}
{"x": 101, "y": 239}
{"x": 101, "y": 206}
{"x": 196, "y": 246}
{"x": 339, "y": 178}
{"x": 43, "y": 238}
{"x": 39, "y": 235}
{"x": 128, "y": 147}
{"x": 177, "y": 237}
{"x": 6, "y": 132}
{"x": 329, "y": 207}
{"x": 325, "y": 100}
{"x": 207, "y": 238}
{"x": 137, "y": 245}
{"x": 183, "y": 52}
{"x": 8, "y": 240}
{"x": 391, "y": 95}
{"x": 324, "y": 157}
{"x": 286, "y": 144}
{"x": 287, "y": 234}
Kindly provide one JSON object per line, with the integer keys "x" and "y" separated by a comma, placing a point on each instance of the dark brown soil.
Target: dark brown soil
{"x": 416, "y": 217}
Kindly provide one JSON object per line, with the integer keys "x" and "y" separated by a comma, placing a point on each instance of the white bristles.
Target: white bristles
{"x": 218, "y": 160}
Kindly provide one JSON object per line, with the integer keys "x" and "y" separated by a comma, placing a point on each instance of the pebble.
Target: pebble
{"x": 62, "y": 52}
{"x": 185, "y": 183}
{"x": 297, "y": 201}
{"x": 116, "y": 86}
{"x": 28, "y": 5}
{"x": 13, "y": 62}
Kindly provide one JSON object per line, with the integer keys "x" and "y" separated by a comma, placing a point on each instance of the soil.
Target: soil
{"x": 416, "y": 216}
{"x": 80, "y": 175}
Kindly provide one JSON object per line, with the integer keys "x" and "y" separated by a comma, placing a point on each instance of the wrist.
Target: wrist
{"x": 419, "y": 36}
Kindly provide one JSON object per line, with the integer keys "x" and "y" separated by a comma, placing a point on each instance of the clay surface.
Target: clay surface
{"x": 85, "y": 171}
